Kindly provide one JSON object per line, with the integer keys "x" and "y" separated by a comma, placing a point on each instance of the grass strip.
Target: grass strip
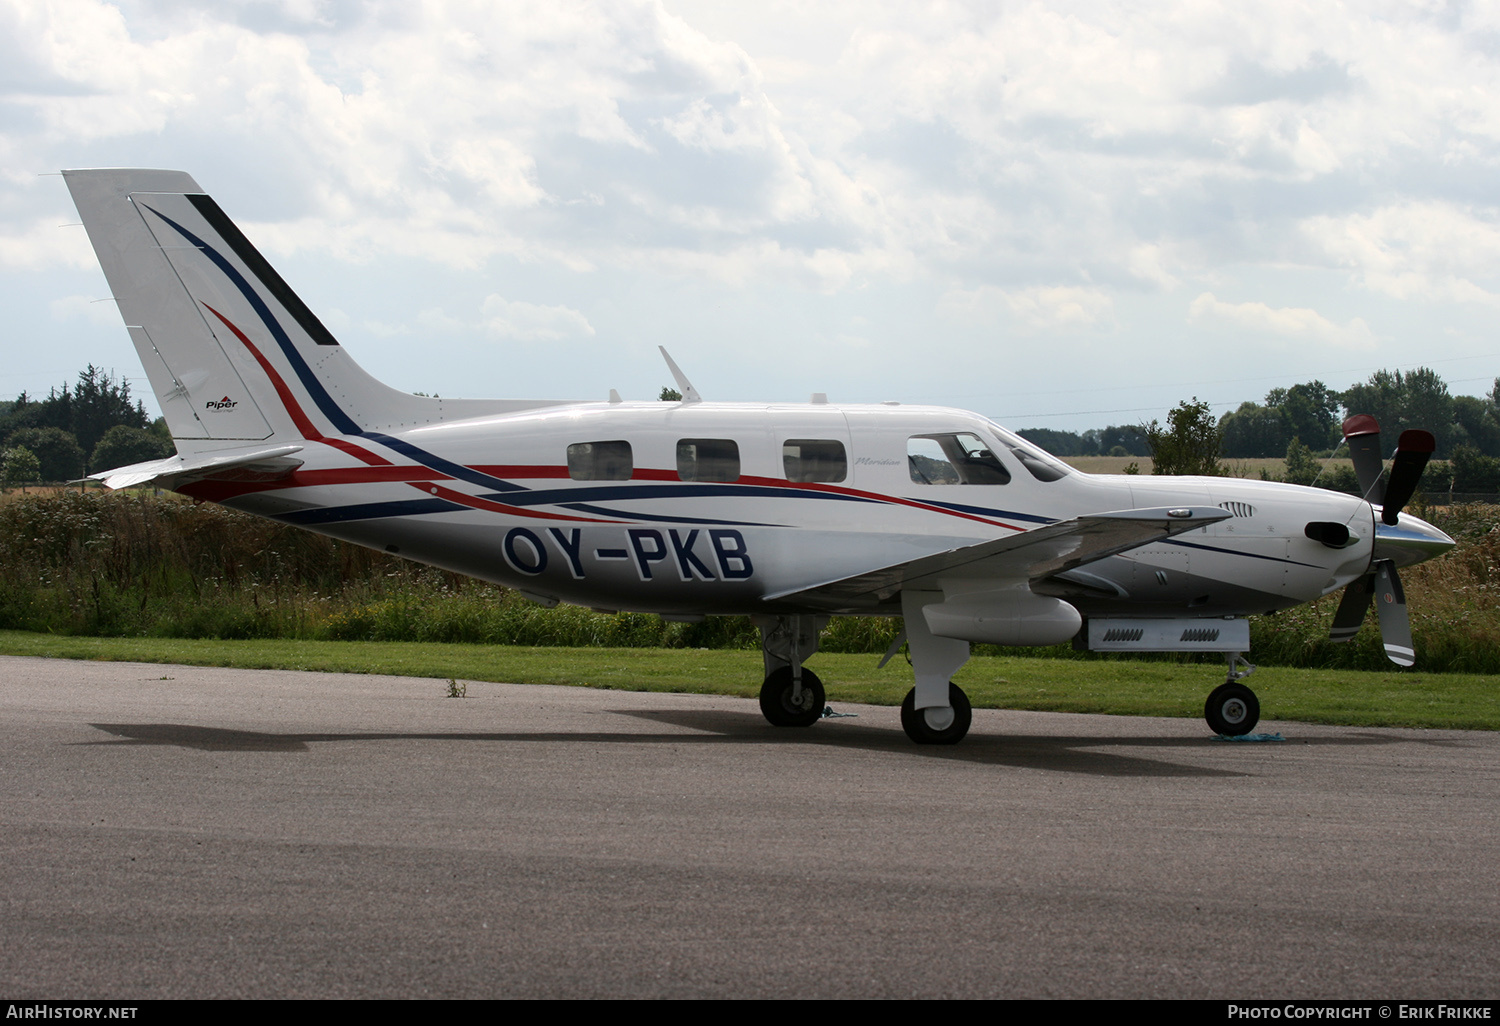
{"x": 1120, "y": 687}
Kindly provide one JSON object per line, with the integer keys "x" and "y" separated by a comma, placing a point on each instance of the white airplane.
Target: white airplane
{"x": 790, "y": 514}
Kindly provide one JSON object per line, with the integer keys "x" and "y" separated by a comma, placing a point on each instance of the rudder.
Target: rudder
{"x": 199, "y": 385}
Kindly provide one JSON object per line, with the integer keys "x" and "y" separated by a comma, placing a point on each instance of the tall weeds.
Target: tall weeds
{"x": 134, "y": 564}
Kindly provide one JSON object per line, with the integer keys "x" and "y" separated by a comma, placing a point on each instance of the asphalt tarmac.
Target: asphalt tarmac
{"x": 174, "y": 831}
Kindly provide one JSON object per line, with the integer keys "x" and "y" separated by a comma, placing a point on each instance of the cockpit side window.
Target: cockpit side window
{"x": 1037, "y": 467}
{"x": 814, "y": 460}
{"x": 708, "y": 459}
{"x": 954, "y": 458}
{"x": 600, "y": 461}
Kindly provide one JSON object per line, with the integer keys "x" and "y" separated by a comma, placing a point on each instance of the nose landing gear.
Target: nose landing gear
{"x": 1232, "y": 708}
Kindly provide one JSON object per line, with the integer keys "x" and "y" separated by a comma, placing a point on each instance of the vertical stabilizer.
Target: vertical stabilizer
{"x": 199, "y": 383}
{"x": 233, "y": 355}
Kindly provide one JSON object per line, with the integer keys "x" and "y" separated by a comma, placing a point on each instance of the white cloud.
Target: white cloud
{"x": 1148, "y": 263}
{"x": 1298, "y": 323}
{"x": 1040, "y": 309}
{"x": 99, "y": 312}
{"x": 818, "y": 161}
{"x": 498, "y": 317}
{"x": 528, "y": 322}
{"x": 48, "y": 242}
{"x": 1423, "y": 251}
{"x": 954, "y": 138}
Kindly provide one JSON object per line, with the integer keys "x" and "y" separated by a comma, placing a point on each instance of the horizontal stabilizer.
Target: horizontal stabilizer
{"x": 1027, "y": 557}
{"x": 259, "y": 464}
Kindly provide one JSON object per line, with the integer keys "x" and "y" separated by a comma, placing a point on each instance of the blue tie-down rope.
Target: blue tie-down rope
{"x": 829, "y": 714}
{"x": 1248, "y": 737}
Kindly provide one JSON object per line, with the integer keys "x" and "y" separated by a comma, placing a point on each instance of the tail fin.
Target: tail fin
{"x": 233, "y": 355}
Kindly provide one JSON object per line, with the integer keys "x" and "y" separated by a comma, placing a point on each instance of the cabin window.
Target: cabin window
{"x": 600, "y": 461}
{"x": 814, "y": 460}
{"x": 957, "y": 458}
{"x": 708, "y": 459}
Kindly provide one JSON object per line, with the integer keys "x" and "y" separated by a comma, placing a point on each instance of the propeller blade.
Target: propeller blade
{"x": 1352, "y": 608}
{"x": 1412, "y": 454}
{"x": 1362, "y": 432}
{"x": 1395, "y": 626}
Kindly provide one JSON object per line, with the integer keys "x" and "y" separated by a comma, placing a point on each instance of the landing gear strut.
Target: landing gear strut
{"x": 1232, "y": 709}
{"x": 792, "y": 696}
{"x": 936, "y": 711}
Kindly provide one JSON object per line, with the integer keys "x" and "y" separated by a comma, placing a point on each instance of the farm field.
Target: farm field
{"x": 1274, "y": 467}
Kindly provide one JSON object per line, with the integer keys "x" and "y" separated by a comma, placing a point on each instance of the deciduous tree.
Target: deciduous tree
{"x": 1190, "y": 442}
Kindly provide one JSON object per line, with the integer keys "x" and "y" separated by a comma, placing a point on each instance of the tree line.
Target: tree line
{"x": 78, "y": 429}
{"x": 1311, "y": 413}
{"x": 94, "y": 424}
{"x": 1303, "y": 424}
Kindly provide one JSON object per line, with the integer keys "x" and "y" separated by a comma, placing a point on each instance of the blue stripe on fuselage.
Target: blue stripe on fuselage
{"x": 366, "y": 511}
{"x": 1236, "y": 552}
{"x": 457, "y": 471}
{"x": 984, "y": 511}
{"x": 652, "y": 518}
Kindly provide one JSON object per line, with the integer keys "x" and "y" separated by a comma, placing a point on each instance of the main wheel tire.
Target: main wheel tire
{"x": 776, "y": 699}
{"x": 920, "y": 728}
{"x": 1232, "y": 709}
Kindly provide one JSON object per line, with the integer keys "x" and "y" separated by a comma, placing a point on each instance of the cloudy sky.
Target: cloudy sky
{"x": 1059, "y": 214}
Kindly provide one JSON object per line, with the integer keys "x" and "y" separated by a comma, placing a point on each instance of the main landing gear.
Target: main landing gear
{"x": 788, "y": 702}
{"x": 792, "y": 695}
{"x": 1232, "y": 709}
{"x": 935, "y": 712}
{"x": 936, "y": 725}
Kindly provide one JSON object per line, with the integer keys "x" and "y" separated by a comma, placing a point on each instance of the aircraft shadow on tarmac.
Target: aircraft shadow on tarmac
{"x": 1123, "y": 757}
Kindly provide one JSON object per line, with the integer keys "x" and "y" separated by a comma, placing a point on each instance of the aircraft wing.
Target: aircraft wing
{"x": 1030, "y": 556}
{"x": 257, "y": 464}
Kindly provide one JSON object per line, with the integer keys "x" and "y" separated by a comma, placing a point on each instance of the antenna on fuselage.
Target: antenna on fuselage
{"x": 689, "y": 393}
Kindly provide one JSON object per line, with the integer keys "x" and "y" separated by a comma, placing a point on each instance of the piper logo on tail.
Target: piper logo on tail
{"x": 225, "y": 403}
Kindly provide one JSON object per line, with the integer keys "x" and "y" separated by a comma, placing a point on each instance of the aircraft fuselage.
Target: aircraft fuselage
{"x": 637, "y": 524}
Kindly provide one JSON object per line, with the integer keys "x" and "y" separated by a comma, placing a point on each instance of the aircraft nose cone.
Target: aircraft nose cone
{"x": 1409, "y": 541}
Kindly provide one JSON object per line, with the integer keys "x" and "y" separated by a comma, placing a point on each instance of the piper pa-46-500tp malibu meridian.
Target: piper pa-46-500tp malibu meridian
{"x": 788, "y": 513}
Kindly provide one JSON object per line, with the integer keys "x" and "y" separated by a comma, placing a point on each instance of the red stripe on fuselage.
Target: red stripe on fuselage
{"x": 895, "y": 500}
{"x": 293, "y": 408}
{"x": 218, "y": 491}
{"x": 499, "y": 507}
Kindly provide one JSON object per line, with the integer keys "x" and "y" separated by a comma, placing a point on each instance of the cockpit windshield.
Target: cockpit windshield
{"x": 1039, "y": 463}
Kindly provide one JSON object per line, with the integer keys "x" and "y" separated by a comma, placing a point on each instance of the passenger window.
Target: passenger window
{"x": 814, "y": 460}
{"x": 708, "y": 459}
{"x": 958, "y": 458}
{"x": 600, "y": 461}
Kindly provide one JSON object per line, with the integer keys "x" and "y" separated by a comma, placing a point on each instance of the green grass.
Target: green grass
{"x": 1117, "y": 686}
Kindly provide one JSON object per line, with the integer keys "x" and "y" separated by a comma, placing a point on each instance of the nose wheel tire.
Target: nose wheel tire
{"x": 778, "y": 705}
{"x": 937, "y": 726}
{"x": 1232, "y": 709}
